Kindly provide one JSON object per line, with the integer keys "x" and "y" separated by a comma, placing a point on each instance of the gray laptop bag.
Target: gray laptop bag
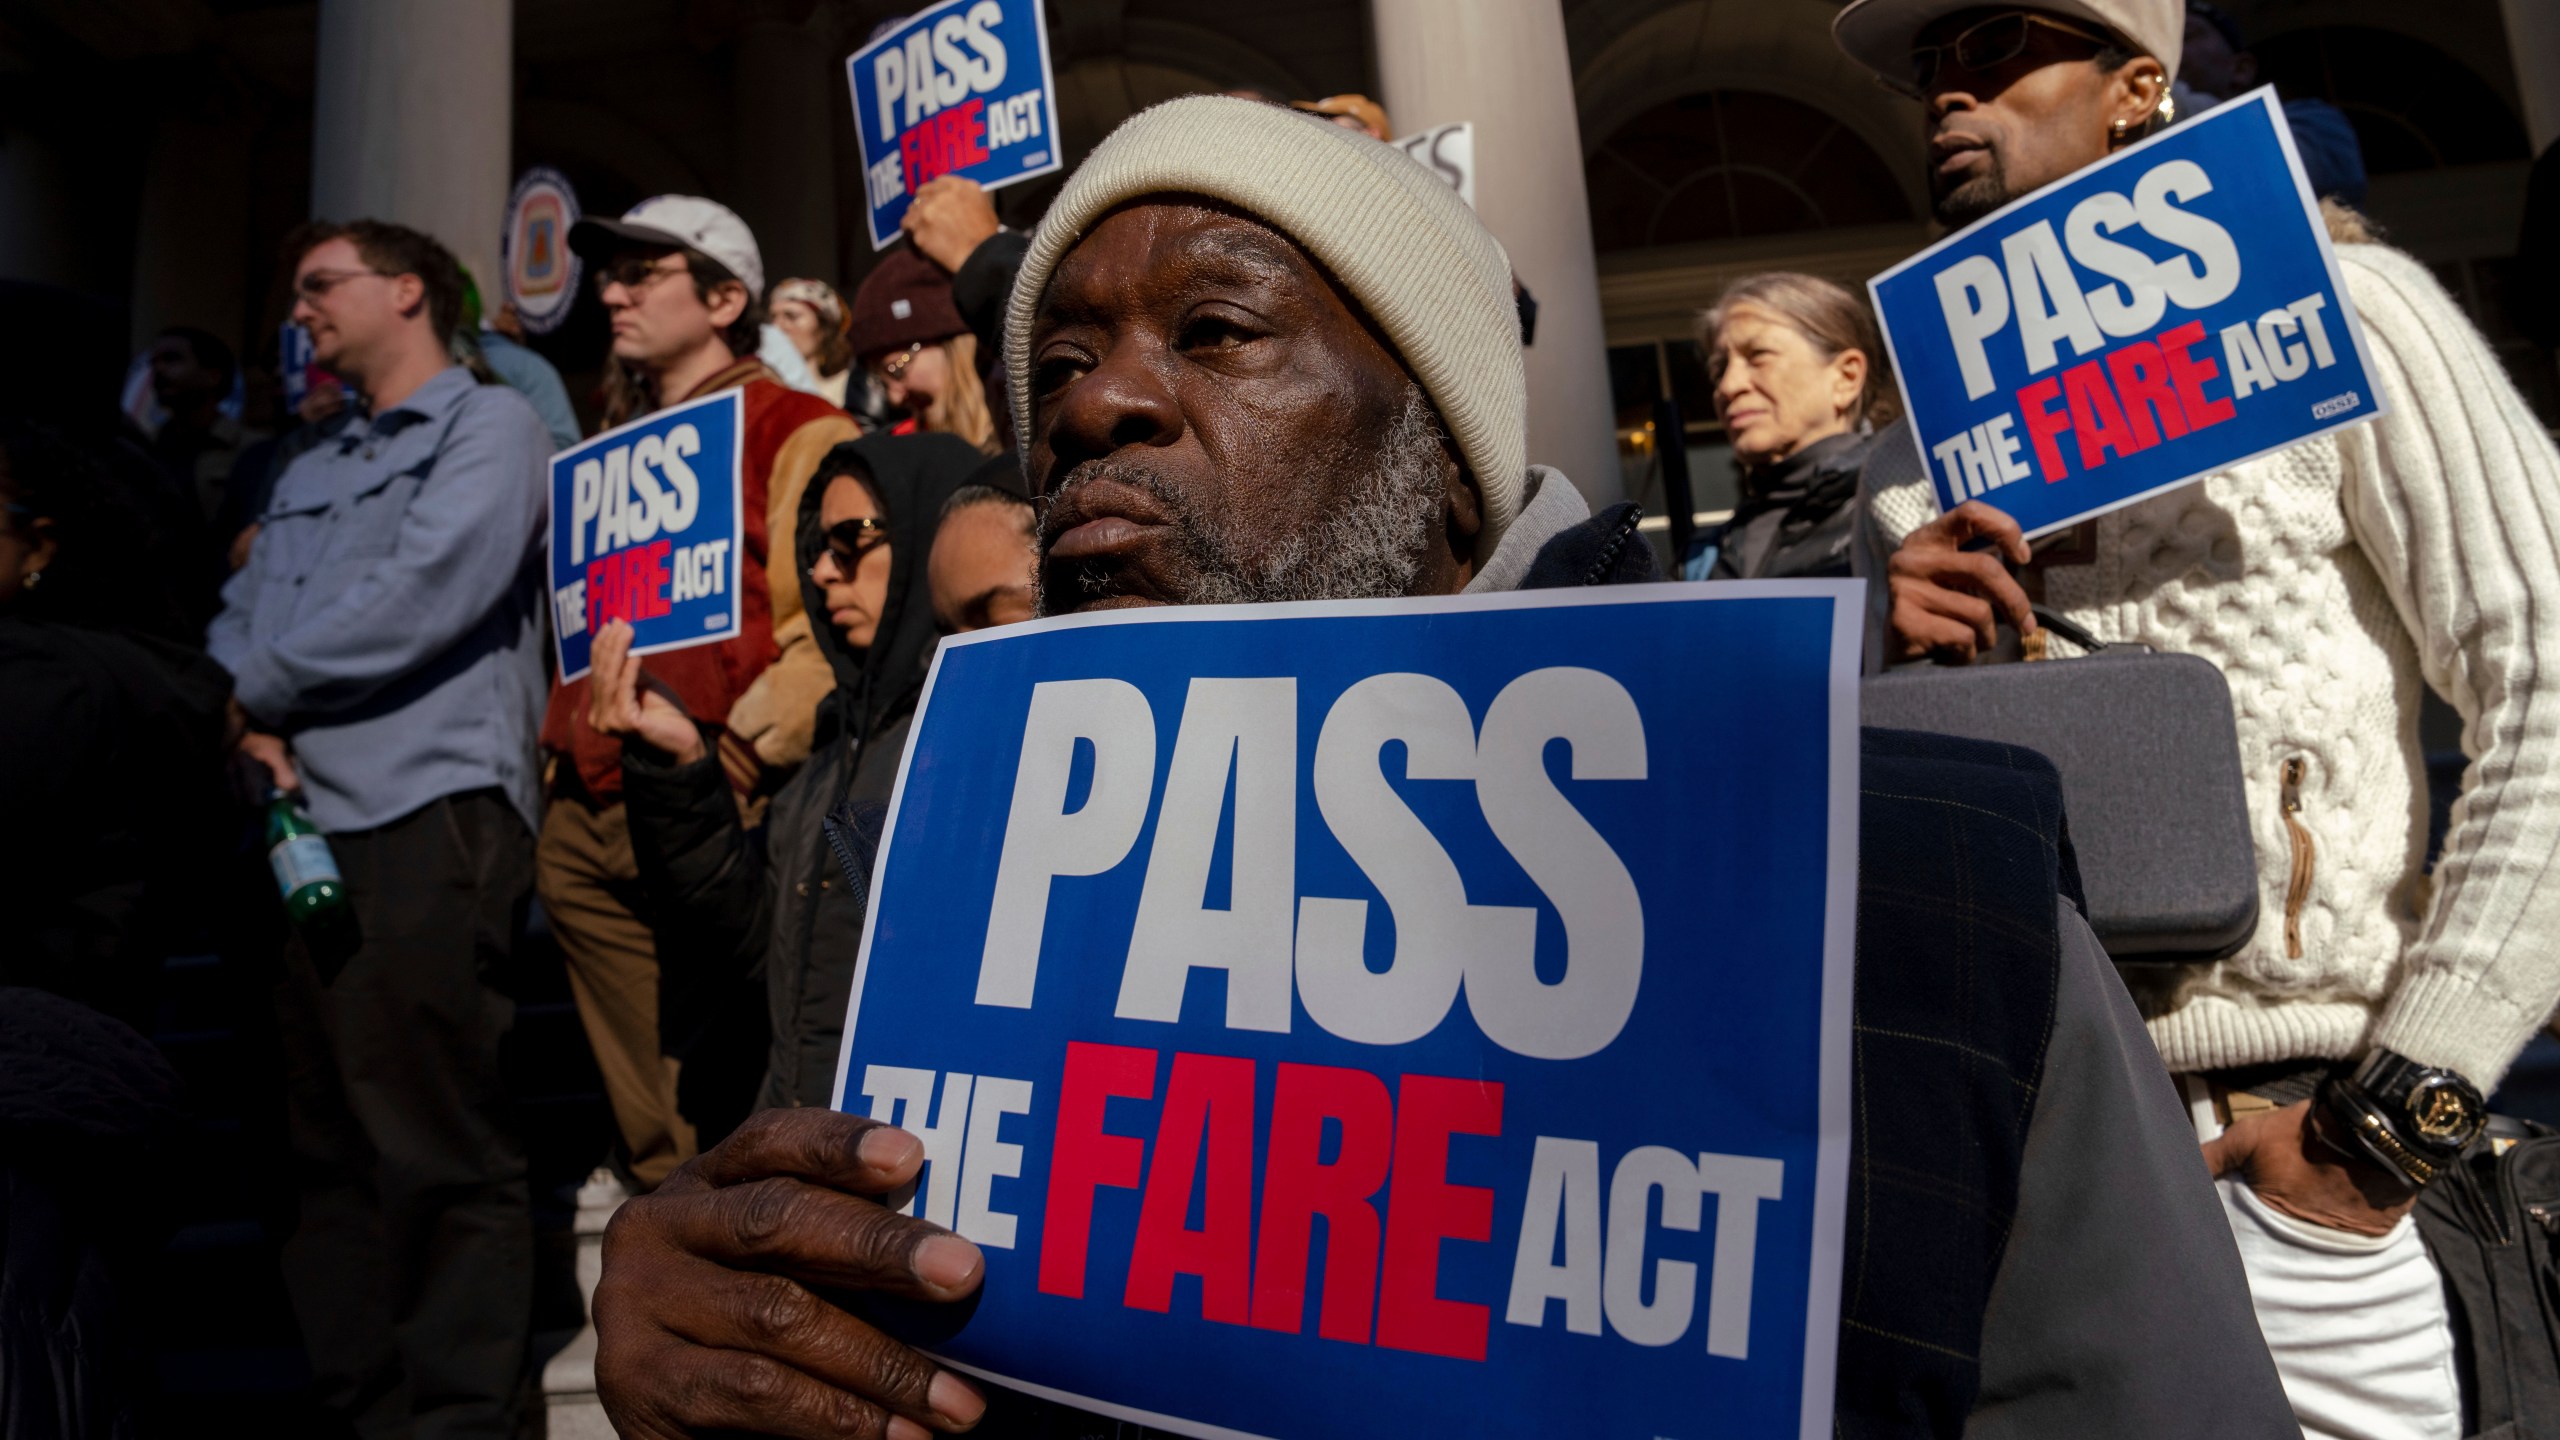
{"x": 2150, "y": 766}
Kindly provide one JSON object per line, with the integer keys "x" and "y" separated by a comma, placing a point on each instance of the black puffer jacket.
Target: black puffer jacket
{"x": 1797, "y": 517}
{"x": 732, "y": 905}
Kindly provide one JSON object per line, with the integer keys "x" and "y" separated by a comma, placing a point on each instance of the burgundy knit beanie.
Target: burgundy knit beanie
{"x": 905, "y": 298}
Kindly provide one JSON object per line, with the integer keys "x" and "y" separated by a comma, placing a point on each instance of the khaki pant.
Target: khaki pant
{"x": 590, "y": 887}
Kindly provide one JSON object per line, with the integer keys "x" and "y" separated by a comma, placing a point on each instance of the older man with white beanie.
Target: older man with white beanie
{"x": 1256, "y": 357}
{"x": 1441, "y": 400}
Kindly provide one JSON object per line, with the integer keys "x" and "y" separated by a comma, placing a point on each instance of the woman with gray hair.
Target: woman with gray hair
{"x": 1802, "y": 388}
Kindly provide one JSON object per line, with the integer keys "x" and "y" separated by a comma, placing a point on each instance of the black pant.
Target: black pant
{"x": 412, "y": 1266}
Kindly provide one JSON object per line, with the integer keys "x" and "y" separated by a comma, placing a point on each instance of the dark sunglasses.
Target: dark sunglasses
{"x": 849, "y": 540}
{"x": 636, "y": 273}
{"x": 1987, "y": 45}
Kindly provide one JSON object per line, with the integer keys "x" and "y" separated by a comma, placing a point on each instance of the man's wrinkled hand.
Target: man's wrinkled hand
{"x": 2307, "y": 1177}
{"x": 619, "y": 705}
{"x": 1947, "y": 600}
{"x": 709, "y": 1317}
{"x": 949, "y": 218}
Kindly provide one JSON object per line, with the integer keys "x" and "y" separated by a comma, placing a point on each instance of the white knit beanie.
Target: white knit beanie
{"x": 1393, "y": 233}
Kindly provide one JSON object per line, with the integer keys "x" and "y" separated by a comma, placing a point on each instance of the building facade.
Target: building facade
{"x": 1633, "y": 155}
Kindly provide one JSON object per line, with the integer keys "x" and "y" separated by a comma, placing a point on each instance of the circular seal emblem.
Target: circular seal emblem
{"x": 542, "y": 274}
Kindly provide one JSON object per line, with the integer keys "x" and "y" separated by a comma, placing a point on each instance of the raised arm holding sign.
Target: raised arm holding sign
{"x": 959, "y": 88}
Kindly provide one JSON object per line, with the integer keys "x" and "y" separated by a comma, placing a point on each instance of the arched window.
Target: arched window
{"x": 1725, "y": 164}
{"x": 2414, "y": 107}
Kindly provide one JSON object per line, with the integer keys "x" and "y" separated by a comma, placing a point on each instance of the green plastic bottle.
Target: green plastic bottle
{"x": 306, "y": 873}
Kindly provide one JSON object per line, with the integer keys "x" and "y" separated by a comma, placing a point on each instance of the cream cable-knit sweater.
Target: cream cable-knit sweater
{"x": 2327, "y": 580}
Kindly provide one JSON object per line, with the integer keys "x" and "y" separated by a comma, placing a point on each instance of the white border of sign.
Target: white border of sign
{"x": 1839, "y": 921}
{"x": 736, "y": 398}
{"x": 1424, "y": 148}
{"x": 540, "y": 176}
{"x": 1048, "y": 110}
{"x": 2264, "y": 95}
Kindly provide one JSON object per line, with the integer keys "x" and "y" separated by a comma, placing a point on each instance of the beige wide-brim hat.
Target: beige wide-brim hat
{"x": 1878, "y": 33}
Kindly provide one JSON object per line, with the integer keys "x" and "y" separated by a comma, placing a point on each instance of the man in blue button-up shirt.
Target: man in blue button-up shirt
{"x": 385, "y": 645}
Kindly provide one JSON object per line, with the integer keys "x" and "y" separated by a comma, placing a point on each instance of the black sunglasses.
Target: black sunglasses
{"x": 849, "y": 540}
{"x": 636, "y": 273}
{"x": 1986, "y": 45}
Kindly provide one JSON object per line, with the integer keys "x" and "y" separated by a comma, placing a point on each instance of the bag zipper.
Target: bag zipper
{"x": 2297, "y": 889}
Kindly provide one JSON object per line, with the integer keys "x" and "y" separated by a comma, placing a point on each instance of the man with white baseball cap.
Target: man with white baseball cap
{"x": 2337, "y": 1063}
{"x": 683, "y": 284}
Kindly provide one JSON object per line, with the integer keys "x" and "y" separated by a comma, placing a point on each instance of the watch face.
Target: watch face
{"x": 2443, "y": 1113}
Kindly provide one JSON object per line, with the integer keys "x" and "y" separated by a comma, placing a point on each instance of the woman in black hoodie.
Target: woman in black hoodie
{"x": 732, "y": 910}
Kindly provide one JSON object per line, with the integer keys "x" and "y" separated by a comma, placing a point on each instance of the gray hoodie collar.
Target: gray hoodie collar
{"x": 1553, "y": 507}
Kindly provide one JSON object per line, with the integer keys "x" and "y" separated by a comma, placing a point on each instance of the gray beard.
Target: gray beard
{"x": 1372, "y": 547}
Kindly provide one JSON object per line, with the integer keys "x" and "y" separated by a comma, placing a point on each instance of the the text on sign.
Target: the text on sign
{"x": 1247, "y": 729}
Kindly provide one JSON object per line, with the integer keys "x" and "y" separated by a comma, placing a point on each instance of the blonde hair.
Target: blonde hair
{"x": 1829, "y": 318}
{"x": 961, "y": 408}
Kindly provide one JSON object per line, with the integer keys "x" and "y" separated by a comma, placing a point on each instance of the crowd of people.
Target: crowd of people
{"x": 339, "y": 605}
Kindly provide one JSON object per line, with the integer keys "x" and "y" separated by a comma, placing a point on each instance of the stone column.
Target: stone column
{"x": 790, "y": 83}
{"x": 414, "y": 120}
{"x": 191, "y": 261}
{"x": 2533, "y": 38}
{"x": 1502, "y": 64}
{"x": 39, "y": 239}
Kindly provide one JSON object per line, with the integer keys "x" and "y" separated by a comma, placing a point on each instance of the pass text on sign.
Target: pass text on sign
{"x": 959, "y": 88}
{"x": 645, "y": 528}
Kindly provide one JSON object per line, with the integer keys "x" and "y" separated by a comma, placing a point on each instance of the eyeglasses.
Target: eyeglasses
{"x": 314, "y": 284}
{"x": 849, "y": 540}
{"x": 636, "y": 274}
{"x": 895, "y": 366}
{"x": 1986, "y": 45}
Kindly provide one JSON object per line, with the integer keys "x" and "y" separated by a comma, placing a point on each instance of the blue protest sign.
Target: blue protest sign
{"x": 645, "y": 528}
{"x": 959, "y": 88}
{"x": 293, "y": 363}
{"x": 1507, "y": 936}
{"x": 2169, "y": 312}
